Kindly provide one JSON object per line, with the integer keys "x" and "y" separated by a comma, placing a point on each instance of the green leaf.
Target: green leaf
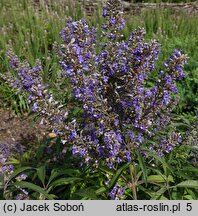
{"x": 190, "y": 169}
{"x": 40, "y": 151}
{"x": 182, "y": 124}
{"x": 146, "y": 190}
{"x": 100, "y": 190}
{"x": 142, "y": 166}
{"x": 77, "y": 110}
{"x": 1, "y": 181}
{"x": 153, "y": 194}
{"x": 158, "y": 194}
{"x": 41, "y": 172}
{"x": 54, "y": 174}
{"x": 117, "y": 175}
{"x": 176, "y": 194}
{"x": 188, "y": 197}
{"x": 13, "y": 161}
{"x": 106, "y": 170}
{"x": 162, "y": 197}
{"x": 87, "y": 193}
{"x": 195, "y": 147}
{"x": 192, "y": 193}
{"x": 160, "y": 179}
{"x": 65, "y": 181}
{"x": 31, "y": 186}
{"x": 22, "y": 103}
{"x": 182, "y": 174}
{"x": 188, "y": 184}
{"x": 162, "y": 161}
{"x": 70, "y": 172}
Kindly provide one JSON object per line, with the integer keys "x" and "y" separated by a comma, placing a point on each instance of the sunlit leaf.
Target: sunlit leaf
{"x": 188, "y": 184}
{"x": 159, "y": 179}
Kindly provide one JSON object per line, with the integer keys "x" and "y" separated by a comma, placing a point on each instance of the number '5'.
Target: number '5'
{"x": 189, "y": 206}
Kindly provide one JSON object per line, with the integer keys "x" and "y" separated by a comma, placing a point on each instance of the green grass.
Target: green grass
{"x": 174, "y": 30}
{"x": 31, "y": 30}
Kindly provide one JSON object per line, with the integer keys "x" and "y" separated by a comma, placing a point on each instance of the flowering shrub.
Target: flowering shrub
{"x": 109, "y": 78}
{"x": 28, "y": 81}
{"x": 120, "y": 111}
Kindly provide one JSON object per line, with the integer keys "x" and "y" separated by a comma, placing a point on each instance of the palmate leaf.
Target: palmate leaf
{"x": 31, "y": 186}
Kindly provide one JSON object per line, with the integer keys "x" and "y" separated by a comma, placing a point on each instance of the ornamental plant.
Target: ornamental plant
{"x": 122, "y": 112}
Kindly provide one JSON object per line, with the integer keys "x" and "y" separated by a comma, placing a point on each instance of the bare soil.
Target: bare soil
{"x": 15, "y": 129}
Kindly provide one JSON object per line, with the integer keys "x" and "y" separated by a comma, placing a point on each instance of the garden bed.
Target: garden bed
{"x": 15, "y": 129}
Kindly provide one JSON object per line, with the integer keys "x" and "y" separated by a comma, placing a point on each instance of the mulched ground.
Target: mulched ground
{"x": 15, "y": 129}
{"x": 17, "y": 134}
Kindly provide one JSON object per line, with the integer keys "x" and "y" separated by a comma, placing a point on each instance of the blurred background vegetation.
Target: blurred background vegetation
{"x": 31, "y": 28}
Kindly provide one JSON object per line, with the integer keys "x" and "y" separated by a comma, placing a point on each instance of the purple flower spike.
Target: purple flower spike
{"x": 115, "y": 109}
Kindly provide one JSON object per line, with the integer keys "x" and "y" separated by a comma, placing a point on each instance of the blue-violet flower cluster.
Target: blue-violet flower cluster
{"x": 109, "y": 77}
{"x": 120, "y": 111}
